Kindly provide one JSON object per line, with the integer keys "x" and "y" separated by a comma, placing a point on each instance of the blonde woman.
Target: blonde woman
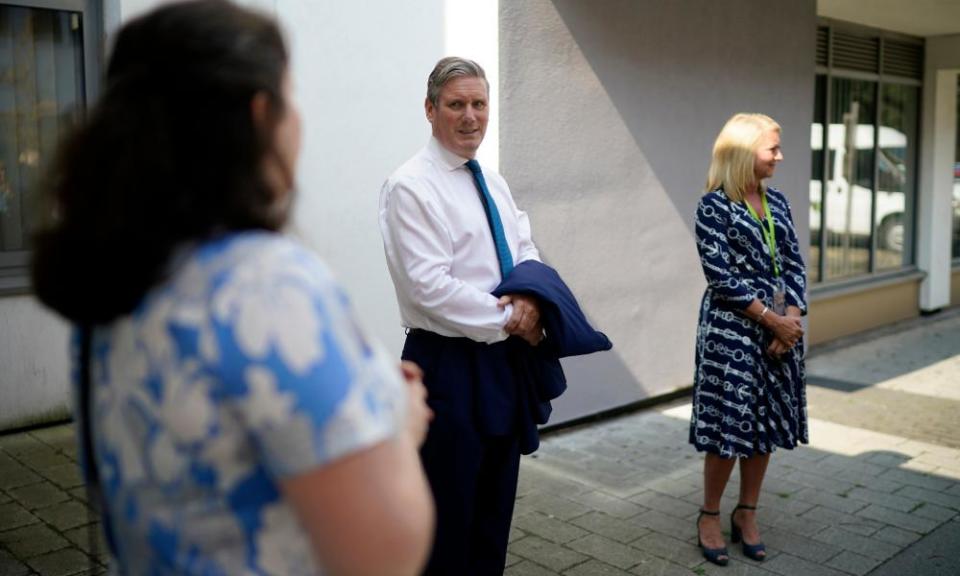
{"x": 749, "y": 395}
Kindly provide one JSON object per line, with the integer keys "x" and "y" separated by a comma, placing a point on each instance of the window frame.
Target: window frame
{"x": 955, "y": 258}
{"x": 880, "y": 79}
{"x": 15, "y": 266}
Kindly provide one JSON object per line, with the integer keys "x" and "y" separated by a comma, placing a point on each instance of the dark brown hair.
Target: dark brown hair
{"x": 169, "y": 154}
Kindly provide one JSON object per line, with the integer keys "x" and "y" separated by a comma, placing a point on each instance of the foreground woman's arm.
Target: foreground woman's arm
{"x": 331, "y": 420}
{"x": 368, "y": 513}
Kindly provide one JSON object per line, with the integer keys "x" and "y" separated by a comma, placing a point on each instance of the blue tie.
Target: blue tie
{"x": 493, "y": 218}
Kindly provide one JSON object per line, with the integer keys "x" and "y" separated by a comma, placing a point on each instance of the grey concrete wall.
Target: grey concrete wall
{"x": 608, "y": 114}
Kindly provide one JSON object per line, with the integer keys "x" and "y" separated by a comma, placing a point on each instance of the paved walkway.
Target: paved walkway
{"x": 877, "y": 491}
{"x": 44, "y": 519}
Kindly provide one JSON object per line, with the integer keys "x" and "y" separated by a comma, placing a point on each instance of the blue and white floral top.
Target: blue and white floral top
{"x": 244, "y": 368}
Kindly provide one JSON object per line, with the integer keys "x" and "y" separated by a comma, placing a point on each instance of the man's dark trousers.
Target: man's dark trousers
{"x": 472, "y": 474}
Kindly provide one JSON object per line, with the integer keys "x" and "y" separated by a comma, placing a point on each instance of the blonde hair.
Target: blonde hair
{"x": 734, "y": 154}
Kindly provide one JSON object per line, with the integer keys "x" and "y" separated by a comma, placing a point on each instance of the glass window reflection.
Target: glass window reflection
{"x": 816, "y": 177}
{"x": 848, "y": 201}
{"x": 41, "y": 66}
{"x": 896, "y": 169}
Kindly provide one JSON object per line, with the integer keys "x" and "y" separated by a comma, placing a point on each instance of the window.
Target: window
{"x": 816, "y": 179}
{"x": 864, "y": 146}
{"x": 45, "y": 60}
{"x": 896, "y": 167}
{"x": 956, "y": 184}
{"x": 849, "y": 190}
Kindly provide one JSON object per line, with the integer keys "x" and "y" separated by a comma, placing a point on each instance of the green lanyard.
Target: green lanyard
{"x": 769, "y": 231}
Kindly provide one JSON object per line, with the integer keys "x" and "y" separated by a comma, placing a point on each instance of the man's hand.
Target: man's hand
{"x": 525, "y": 320}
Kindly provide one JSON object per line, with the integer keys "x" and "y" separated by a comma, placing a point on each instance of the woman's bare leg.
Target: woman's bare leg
{"x": 752, "y": 472}
{"x": 716, "y": 473}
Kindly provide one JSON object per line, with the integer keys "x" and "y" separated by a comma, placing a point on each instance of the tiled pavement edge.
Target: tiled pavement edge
{"x": 44, "y": 518}
{"x": 621, "y": 497}
{"x": 877, "y": 491}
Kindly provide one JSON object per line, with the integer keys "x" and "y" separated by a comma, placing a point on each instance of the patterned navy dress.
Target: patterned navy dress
{"x": 744, "y": 401}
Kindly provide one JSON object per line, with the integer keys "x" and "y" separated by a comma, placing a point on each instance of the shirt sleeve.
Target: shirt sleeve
{"x": 297, "y": 368}
{"x": 711, "y": 233}
{"x": 527, "y": 250}
{"x": 420, "y": 252}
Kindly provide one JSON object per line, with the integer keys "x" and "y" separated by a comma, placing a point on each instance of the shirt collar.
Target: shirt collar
{"x": 446, "y": 158}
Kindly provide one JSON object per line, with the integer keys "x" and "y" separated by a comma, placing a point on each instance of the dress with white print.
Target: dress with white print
{"x": 744, "y": 401}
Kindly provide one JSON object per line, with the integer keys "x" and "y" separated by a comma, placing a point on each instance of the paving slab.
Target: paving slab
{"x": 34, "y": 540}
{"x": 623, "y": 531}
{"x": 10, "y": 566}
{"x": 549, "y": 527}
{"x": 547, "y": 554}
{"x": 60, "y": 563}
{"x": 38, "y": 495}
{"x": 936, "y": 554}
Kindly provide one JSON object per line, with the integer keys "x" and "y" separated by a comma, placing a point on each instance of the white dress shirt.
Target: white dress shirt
{"x": 439, "y": 247}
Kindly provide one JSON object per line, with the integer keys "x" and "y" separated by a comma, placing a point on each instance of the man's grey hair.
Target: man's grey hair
{"x": 449, "y": 68}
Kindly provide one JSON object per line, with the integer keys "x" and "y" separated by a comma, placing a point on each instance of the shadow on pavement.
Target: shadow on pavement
{"x": 622, "y": 497}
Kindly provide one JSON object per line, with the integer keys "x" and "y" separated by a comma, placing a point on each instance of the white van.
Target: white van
{"x": 848, "y": 204}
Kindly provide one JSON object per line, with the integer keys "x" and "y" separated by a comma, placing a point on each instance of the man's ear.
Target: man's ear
{"x": 260, "y": 111}
{"x": 429, "y": 108}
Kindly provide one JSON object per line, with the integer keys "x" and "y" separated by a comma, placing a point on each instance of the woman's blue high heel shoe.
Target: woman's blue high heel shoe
{"x": 753, "y": 551}
{"x": 718, "y": 556}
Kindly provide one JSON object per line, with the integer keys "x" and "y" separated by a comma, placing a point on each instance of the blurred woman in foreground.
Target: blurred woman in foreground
{"x": 233, "y": 415}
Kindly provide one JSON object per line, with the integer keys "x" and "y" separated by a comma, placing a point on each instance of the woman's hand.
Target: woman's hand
{"x": 777, "y": 348}
{"x": 787, "y": 329}
{"x": 419, "y": 414}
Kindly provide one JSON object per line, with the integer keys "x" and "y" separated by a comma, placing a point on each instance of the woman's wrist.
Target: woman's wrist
{"x": 763, "y": 318}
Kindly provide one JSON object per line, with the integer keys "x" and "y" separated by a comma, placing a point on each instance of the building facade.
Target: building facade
{"x": 604, "y": 116}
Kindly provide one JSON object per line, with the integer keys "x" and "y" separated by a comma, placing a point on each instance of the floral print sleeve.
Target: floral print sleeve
{"x": 308, "y": 386}
{"x": 246, "y": 366}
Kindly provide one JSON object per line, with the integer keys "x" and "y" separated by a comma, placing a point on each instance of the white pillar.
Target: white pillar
{"x": 936, "y": 188}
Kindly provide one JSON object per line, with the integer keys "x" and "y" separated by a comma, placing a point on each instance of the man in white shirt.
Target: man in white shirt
{"x": 451, "y": 232}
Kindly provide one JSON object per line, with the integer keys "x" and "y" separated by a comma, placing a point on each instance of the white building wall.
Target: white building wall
{"x": 360, "y": 72}
{"x": 33, "y": 364}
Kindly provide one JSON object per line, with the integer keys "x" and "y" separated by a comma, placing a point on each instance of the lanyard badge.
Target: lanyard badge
{"x": 770, "y": 237}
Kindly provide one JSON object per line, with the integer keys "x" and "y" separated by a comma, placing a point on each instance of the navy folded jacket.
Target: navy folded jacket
{"x": 506, "y": 388}
{"x": 568, "y": 332}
